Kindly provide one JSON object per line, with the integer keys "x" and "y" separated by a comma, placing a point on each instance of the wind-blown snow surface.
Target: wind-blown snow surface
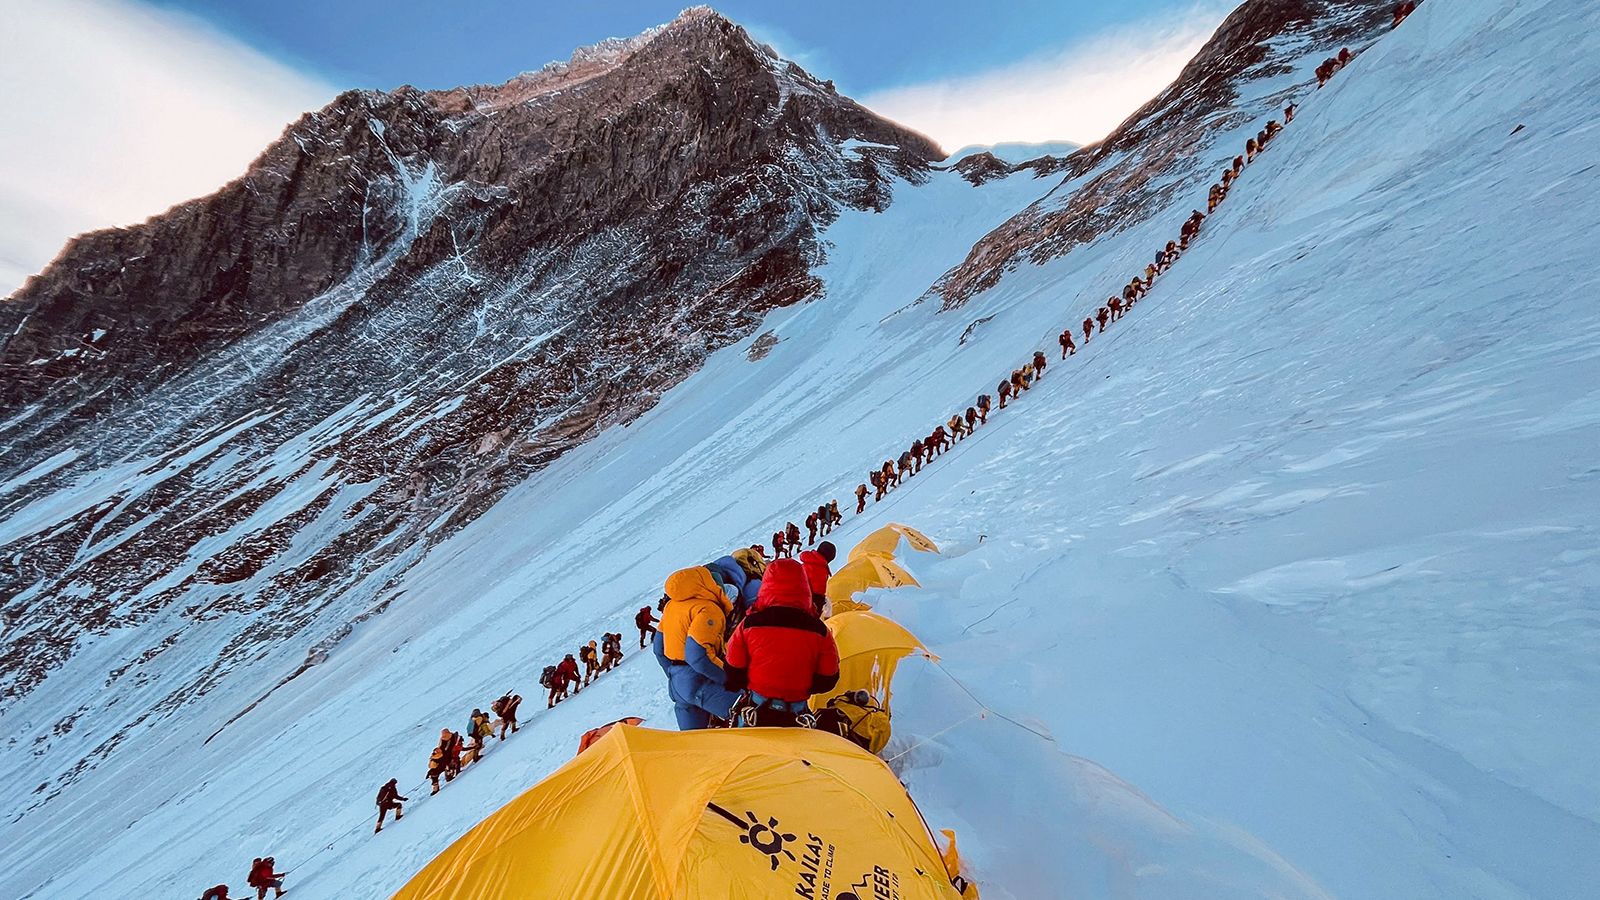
{"x": 1297, "y": 566}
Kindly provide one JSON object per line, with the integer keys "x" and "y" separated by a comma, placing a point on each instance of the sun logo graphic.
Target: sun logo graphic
{"x": 765, "y": 837}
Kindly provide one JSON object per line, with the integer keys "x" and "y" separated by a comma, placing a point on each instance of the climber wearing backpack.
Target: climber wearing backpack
{"x": 589, "y": 655}
{"x": 815, "y": 562}
{"x": 220, "y": 892}
{"x": 782, "y": 654}
{"x": 478, "y": 728}
{"x": 1067, "y": 346}
{"x": 983, "y": 409}
{"x": 263, "y": 878}
{"x": 834, "y": 516}
{"x": 1103, "y": 316}
{"x": 1402, "y": 11}
{"x": 958, "y": 427}
{"x": 439, "y": 760}
{"x": 645, "y": 620}
{"x": 905, "y": 465}
{"x": 611, "y": 655}
{"x": 876, "y": 477}
{"x": 564, "y": 676}
{"x": 1288, "y": 113}
{"x": 1088, "y": 328}
{"x": 690, "y": 646}
{"x": 972, "y": 419}
{"x": 1005, "y": 392}
{"x": 1039, "y": 362}
{"x": 389, "y": 798}
{"x": 890, "y": 479}
{"x": 506, "y": 708}
{"x": 861, "y": 499}
{"x": 791, "y": 533}
{"x": 811, "y": 529}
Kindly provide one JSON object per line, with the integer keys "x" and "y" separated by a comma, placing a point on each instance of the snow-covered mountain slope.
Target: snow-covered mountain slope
{"x": 1286, "y": 586}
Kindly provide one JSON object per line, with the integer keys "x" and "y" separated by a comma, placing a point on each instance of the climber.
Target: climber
{"x": 861, "y": 499}
{"x": 220, "y": 892}
{"x": 1067, "y": 346}
{"x": 811, "y": 529}
{"x": 1115, "y": 305}
{"x": 1149, "y": 273}
{"x": 1103, "y": 315}
{"x": 939, "y": 440}
{"x": 477, "y": 729}
{"x": 1325, "y": 71}
{"x": 876, "y": 477}
{"x": 1017, "y": 386}
{"x": 263, "y": 879}
{"x": 834, "y": 516}
{"x": 1213, "y": 197}
{"x": 506, "y": 706}
{"x": 1344, "y": 57}
{"x": 389, "y": 798}
{"x": 824, "y": 520}
{"x": 906, "y": 465}
{"x": 972, "y": 419}
{"x": 610, "y": 656}
{"x": 1288, "y": 113}
{"x": 1088, "y": 328}
{"x": 1402, "y": 11}
{"x": 983, "y": 409}
{"x": 1273, "y": 128}
{"x": 565, "y": 677}
{"x": 958, "y": 428}
{"x": 645, "y": 621}
{"x": 439, "y": 761}
{"x": 890, "y": 479}
{"x": 792, "y": 533}
{"x": 1039, "y": 362}
{"x": 1005, "y": 392}
{"x": 782, "y": 654}
{"x": 690, "y": 646}
{"x": 739, "y": 576}
{"x": 816, "y": 564}
{"x": 589, "y": 655}
{"x": 1250, "y": 150}
{"x": 452, "y": 759}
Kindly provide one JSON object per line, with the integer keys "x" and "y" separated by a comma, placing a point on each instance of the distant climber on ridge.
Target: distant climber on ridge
{"x": 645, "y": 621}
{"x": 861, "y": 499}
{"x": 389, "y": 798}
{"x": 1067, "y": 346}
{"x": 263, "y": 878}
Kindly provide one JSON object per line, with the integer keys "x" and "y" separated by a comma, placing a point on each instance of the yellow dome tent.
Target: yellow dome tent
{"x": 886, "y": 540}
{"x": 865, "y": 572}
{"x": 743, "y": 814}
{"x": 870, "y": 648}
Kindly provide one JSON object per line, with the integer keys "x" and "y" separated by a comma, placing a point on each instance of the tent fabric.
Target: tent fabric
{"x": 866, "y": 572}
{"x": 847, "y": 604}
{"x": 886, "y": 540}
{"x": 870, "y": 648}
{"x": 594, "y": 734}
{"x": 745, "y": 814}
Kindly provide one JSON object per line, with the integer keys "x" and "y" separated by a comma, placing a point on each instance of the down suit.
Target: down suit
{"x": 782, "y": 651}
{"x": 689, "y": 645}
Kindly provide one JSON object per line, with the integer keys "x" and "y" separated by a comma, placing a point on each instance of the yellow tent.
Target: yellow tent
{"x": 886, "y": 540}
{"x": 865, "y": 572}
{"x": 870, "y": 648}
{"x": 744, "y": 814}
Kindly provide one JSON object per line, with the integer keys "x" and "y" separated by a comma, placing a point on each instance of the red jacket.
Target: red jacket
{"x": 566, "y": 671}
{"x": 782, "y": 651}
{"x": 817, "y": 575}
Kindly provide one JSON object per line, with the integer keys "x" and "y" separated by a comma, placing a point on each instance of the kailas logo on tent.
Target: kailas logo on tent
{"x": 764, "y": 836}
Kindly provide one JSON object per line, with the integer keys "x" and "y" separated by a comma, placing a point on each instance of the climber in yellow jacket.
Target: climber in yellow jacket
{"x": 690, "y": 644}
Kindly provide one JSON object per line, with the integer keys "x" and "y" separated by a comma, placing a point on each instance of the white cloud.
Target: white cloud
{"x": 1078, "y": 93}
{"x": 115, "y": 111}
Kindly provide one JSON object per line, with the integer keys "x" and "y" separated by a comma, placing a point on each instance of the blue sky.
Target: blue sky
{"x": 117, "y": 109}
{"x": 864, "y": 46}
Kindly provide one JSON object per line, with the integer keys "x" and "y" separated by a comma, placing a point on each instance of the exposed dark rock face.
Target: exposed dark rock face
{"x": 271, "y": 400}
{"x": 1132, "y": 168}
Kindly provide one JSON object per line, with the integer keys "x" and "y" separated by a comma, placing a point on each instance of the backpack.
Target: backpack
{"x": 548, "y": 679}
{"x": 856, "y": 717}
{"x": 498, "y": 707}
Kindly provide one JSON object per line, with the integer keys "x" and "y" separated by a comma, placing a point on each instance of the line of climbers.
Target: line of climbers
{"x": 820, "y": 522}
{"x": 563, "y": 679}
{"x": 741, "y": 639}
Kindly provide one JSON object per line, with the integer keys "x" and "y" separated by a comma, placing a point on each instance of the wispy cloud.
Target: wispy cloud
{"x": 1078, "y": 93}
{"x": 115, "y": 111}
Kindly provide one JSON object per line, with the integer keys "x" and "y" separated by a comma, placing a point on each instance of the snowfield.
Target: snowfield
{"x": 1288, "y": 585}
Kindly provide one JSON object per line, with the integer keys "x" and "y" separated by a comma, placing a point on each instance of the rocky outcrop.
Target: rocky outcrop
{"x": 1164, "y": 147}
{"x": 270, "y": 400}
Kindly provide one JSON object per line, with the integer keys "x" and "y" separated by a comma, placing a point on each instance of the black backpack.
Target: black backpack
{"x": 548, "y": 678}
